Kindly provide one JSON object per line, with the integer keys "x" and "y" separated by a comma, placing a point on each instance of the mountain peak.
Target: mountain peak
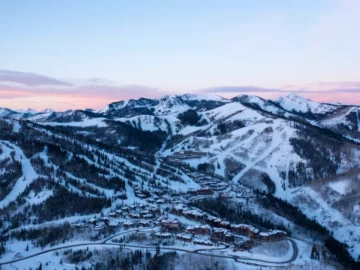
{"x": 297, "y": 103}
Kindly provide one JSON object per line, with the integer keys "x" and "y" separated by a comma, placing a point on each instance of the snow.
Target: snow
{"x": 201, "y": 96}
{"x": 340, "y": 186}
{"x": 293, "y": 102}
{"x": 99, "y": 122}
{"x": 42, "y": 196}
{"x": 29, "y": 174}
{"x": 314, "y": 206}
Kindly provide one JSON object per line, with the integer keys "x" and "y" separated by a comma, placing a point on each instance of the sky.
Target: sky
{"x": 77, "y": 54}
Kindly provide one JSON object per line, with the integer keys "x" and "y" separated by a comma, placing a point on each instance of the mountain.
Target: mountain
{"x": 297, "y": 104}
{"x": 293, "y": 151}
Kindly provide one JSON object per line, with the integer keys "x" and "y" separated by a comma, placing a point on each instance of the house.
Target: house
{"x": 118, "y": 212}
{"x": 154, "y": 209}
{"x": 202, "y": 242}
{"x": 177, "y": 209}
{"x": 170, "y": 224}
{"x": 225, "y": 224}
{"x": 244, "y": 229}
{"x": 215, "y": 222}
{"x": 144, "y": 223}
{"x": 106, "y": 220}
{"x": 193, "y": 214}
{"x": 128, "y": 224}
{"x": 199, "y": 229}
{"x": 184, "y": 237}
{"x": 275, "y": 235}
{"x": 228, "y": 237}
{"x": 134, "y": 215}
{"x": 243, "y": 245}
{"x": 92, "y": 221}
{"x": 218, "y": 234}
{"x": 113, "y": 224}
{"x": 148, "y": 216}
{"x": 160, "y": 201}
{"x": 112, "y": 214}
{"x": 163, "y": 235}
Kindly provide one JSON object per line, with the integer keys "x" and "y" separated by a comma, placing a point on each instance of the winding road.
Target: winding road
{"x": 104, "y": 242}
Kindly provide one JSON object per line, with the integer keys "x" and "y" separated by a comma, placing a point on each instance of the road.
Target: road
{"x": 239, "y": 259}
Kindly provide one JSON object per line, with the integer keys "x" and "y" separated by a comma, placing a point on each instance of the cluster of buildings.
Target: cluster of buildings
{"x": 222, "y": 230}
{"x": 134, "y": 215}
{"x": 188, "y": 155}
{"x": 210, "y": 182}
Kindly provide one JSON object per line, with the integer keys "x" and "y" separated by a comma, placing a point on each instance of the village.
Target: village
{"x": 170, "y": 218}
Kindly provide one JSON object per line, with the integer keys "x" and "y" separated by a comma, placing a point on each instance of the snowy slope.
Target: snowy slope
{"x": 293, "y": 102}
{"x": 29, "y": 174}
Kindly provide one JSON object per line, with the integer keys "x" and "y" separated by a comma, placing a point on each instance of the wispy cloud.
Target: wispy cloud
{"x": 318, "y": 88}
{"x": 29, "y": 79}
{"x": 34, "y": 89}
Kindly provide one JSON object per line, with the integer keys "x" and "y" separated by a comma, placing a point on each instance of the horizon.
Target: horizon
{"x": 106, "y": 53}
{"x": 39, "y": 110}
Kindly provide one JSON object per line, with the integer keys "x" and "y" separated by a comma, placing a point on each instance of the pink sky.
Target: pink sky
{"x": 65, "y": 101}
{"x": 21, "y": 90}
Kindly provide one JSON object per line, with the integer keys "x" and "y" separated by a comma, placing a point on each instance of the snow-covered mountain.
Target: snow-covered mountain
{"x": 296, "y": 103}
{"x": 289, "y": 147}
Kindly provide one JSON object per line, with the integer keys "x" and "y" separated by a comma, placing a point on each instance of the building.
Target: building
{"x": 272, "y": 236}
{"x": 202, "y": 242}
{"x": 199, "y": 229}
{"x": 92, "y": 221}
{"x": 244, "y": 229}
{"x": 193, "y": 214}
{"x": 243, "y": 245}
{"x": 225, "y": 224}
{"x": 128, "y": 224}
{"x": 221, "y": 235}
{"x": 106, "y": 220}
{"x": 177, "y": 209}
{"x": 163, "y": 235}
{"x": 184, "y": 237}
{"x": 215, "y": 222}
{"x": 170, "y": 224}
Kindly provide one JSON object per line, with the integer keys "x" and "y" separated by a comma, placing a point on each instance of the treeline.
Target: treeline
{"x": 289, "y": 211}
{"x": 11, "y": 171}
{"x": 340, "y": 250}
{"x": 44, "y": 236}
{"x": 115, "y": 260}
{"x": 64, "y": 203}
{"x": 236, "y": 214}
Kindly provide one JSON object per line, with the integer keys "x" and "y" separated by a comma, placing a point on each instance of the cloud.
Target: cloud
{"x": 318, "y": 88}
{"x": 17, "y": 88}
{"x": 240, "y": 89}
{"x": 29, "y": 79}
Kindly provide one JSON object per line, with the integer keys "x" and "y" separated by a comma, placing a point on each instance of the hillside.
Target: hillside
{"x": 89, "y": 162}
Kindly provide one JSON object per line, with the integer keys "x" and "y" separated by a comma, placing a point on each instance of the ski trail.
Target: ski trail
{"x": 275, "y": 144}
{"x": 29, "y": 175}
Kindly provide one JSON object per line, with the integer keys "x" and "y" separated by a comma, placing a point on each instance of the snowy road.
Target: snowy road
{"x": 104, "y": 243}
